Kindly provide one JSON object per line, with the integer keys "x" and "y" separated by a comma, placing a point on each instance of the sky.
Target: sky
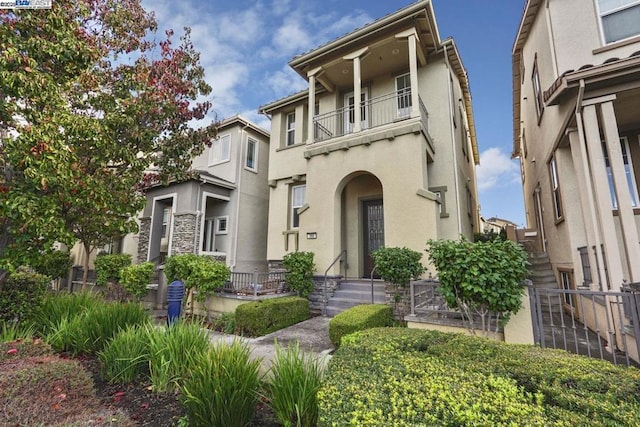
{"x": 245, "y": 47}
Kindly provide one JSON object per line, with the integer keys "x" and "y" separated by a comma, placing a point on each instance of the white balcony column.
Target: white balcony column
{"x": 357, "y": 95}
{"x": 312, "y": 102}
{"x": 602, "y": 197}
{"x": 357, "y": 57}
{"x": 587, "y": 204}
{"x": 413, "y": 75}
{"x": 623, "y": 194}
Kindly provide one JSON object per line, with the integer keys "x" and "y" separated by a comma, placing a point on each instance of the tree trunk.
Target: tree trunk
{"x": 85, "y": 266}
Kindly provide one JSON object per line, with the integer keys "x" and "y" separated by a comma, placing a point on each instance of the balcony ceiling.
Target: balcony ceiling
{"x": 627, "y": 106}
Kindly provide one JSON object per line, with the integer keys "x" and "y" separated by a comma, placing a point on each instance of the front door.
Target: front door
{"x": 373, "y": 232}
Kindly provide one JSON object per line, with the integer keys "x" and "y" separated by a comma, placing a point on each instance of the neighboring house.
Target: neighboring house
{"x": 495, "y": 224}
{"x": 380, "y": 150}
{"x": 576, "y": 103}
{"x": 221, "y": 212}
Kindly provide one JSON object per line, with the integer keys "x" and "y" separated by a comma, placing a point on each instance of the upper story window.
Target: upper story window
{"x": 620, "y": 19}
{"x": 403, "y": 88}
{"x": 537, "y": 90}
{"x": 220, "y": 150}
{"x": 291, "y": 128}
{"x": 555, "y": 189}
{"x": 251, "y": 161}
{"x": 298, "y": 196}
{"x": 165, "y": 222}
{"x": 628, "y": 171}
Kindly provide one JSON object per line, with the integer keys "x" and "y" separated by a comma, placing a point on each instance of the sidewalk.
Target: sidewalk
{"x": 312, "y": 335}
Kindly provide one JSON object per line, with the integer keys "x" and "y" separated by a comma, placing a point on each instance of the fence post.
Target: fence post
{"x": 519, "y": 330}
{"x": 412, "y": 289}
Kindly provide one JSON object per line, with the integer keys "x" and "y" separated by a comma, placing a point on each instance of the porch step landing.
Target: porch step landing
{"x": 353, "y": 292}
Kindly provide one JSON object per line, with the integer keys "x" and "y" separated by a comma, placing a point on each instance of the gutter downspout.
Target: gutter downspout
{"x": 453, "y": 143}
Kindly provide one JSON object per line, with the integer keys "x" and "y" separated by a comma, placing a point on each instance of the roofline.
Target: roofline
{"x": 453, "y": 56}
{"x": 529, "y": 14}
{"x": 238, "y": 119}
{"x": 366, "y": 30}
{"x": 283, "y": 102}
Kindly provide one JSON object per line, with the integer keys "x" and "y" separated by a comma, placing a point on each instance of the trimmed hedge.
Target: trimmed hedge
{"x": 359, "y": 318}
{"x": 263, "y": 317}
{"x": 401, "y": 377}
{"x": 22, "y": 295}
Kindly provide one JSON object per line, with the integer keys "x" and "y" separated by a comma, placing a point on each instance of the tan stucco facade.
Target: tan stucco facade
{"x": 411, "y": 146}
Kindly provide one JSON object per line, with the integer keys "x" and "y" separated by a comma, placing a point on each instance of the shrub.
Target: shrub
{"x": 21, "y": 296}
{"x": 295, "y": 379}
{"x": 89, "y": 332}
{"x": 413, "y": 377}
{"x": 300, "y": 268}
{"x": 358, "y": 318}
{"x": 23, "y": 348}
{"x": 54, "y": 264}
{"x": 108, "y": 267}
{"x": 16, "y": 331}
{"x": 126, "y": 357}
{"x": 135, "y": 278}
{"x": 57, "y": 307}
{"x": 398, "y": 265}
{"x": 265, "y": 316}
{"x": 226, "y": 323}
{"x": 170, "y": 352}
{"x": 222, "y": 388}
{"x": 482, "y": 277}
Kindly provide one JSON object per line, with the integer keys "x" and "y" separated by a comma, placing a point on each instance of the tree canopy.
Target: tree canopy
{"x": 92, "y": 98}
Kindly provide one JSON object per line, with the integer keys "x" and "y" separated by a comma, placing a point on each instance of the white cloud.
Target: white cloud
{"x": 285, "y": 82}
{"x": 496, "y": 169}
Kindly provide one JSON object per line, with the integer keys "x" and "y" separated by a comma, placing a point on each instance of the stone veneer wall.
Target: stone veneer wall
{"x": 143, "y": 239}
{"x": 316, "y": 298}
{"x": 184, "y": 234}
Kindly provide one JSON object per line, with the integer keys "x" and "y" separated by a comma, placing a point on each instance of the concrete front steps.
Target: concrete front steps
{"x": 541, "y": 272}
{"x": 353, "y": 292}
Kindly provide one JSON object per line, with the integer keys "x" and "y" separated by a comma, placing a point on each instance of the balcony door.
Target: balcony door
{"x": 349, "y": 111}
{"x": 403, "y": 91}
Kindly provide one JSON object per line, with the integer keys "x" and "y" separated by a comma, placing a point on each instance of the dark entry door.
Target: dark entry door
{"x": 373, "y": 231}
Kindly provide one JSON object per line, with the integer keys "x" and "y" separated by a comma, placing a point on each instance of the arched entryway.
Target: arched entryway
{"x": 362, "y": 220}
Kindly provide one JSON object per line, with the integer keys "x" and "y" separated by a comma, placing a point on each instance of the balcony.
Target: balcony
{"x": 383, "y": 110}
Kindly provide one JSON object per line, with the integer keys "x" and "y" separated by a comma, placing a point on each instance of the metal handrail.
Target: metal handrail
{"x": 372, "y": 271}
{"x": 324, "y": 286}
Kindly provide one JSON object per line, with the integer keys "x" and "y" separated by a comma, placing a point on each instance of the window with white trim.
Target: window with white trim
{"x": 291, "y": 128}
{"x": 222, "y": 225}
{"x": 619, "y": 19}
{"x": 403, "y": 90}
{"x": 298, "y": 198}
{"x": 537, "y": 90}
{"x": 251, "y": 161}
{"x": 555, "y": 189}
{"x": 220, "y": 150}
{"x": 165, "y": 222}
{"x": 208, "y": 240}
{"x": 628, "y": 171}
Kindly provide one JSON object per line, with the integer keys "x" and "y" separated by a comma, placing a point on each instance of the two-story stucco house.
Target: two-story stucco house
{"x": 576, "y": 104}
{"x": 576, "y": 81}
{"x": 222, "y": 211}
{"x": 380, "y": 150}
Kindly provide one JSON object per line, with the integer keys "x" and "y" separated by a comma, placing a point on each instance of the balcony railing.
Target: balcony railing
{"x": 379, "y": 111}
{"x": 256, "y": 283}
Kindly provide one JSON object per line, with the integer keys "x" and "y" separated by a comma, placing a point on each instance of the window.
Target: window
{"x": 403, "y": 88}
{"x": 555, "y": 188}
{"x": 537, "y": 91}
{"x": 208, "y": 241}
{"x": 165, "y": 222}
{"x": 220, "y": 150}
{"x": 291, "y": 129}
{"x": 252, "y": 154}
{"x": 628, "y": 171}
{"x": 222, "y": 225}
{"x": 298, "y": 196}
{"x": 620, "y": 19}
{"x": 566, "y": 281}
{"x": 586, "y": 266}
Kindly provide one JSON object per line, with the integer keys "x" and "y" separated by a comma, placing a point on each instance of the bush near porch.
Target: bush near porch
{"x": 359, "y": 318}
{"x": 262, "y": 317}
{"x": 397, "y": 376}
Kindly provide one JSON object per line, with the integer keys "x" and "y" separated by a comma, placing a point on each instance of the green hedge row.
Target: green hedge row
{"x": 359, "y": 318}
{"x": 266, "y": 316}
{"x": 401, "y": 377}
{"x": 21, "y": 296}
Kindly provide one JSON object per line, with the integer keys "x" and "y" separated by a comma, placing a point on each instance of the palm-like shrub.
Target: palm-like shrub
{"x": 126, "y": 357}
{"x": 293, "y": 386}
{"x": 222, "y": 388}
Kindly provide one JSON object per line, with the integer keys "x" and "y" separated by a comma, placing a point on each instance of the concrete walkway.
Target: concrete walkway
{"x": 312, "y": 335}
